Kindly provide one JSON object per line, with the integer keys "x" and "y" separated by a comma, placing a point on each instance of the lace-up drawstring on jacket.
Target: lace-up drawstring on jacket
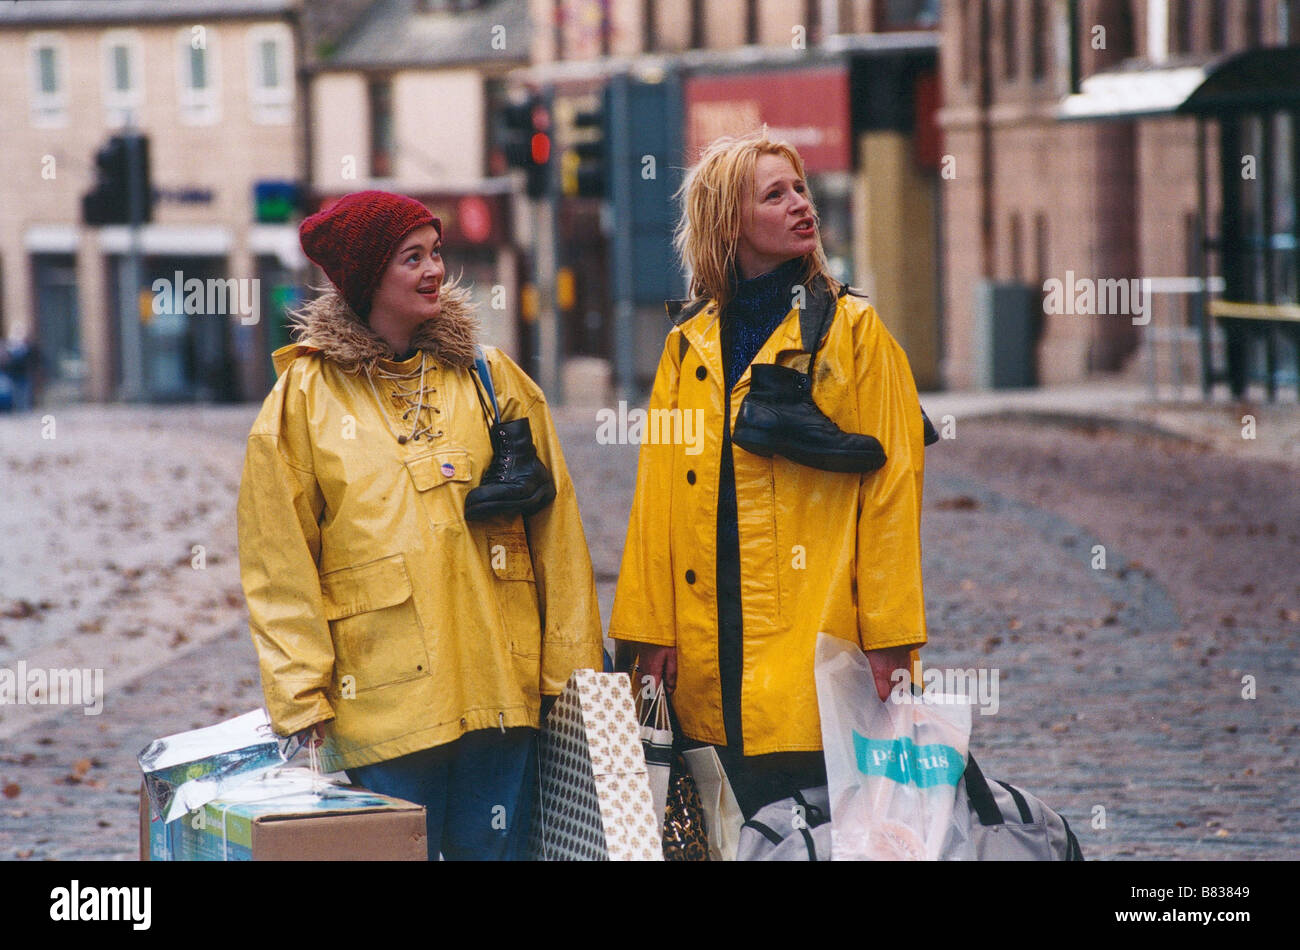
{"x": 417, "y": 430}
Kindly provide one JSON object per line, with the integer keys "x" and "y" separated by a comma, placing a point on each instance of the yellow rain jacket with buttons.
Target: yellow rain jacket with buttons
{"x": 374, "y": 606}
{"x": 819, "y": 551}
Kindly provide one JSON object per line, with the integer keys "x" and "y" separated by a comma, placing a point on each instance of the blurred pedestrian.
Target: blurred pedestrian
{"x": 19, "y": 361}
{"x": 411, "y": 637}
{"x": 802, "y": 512}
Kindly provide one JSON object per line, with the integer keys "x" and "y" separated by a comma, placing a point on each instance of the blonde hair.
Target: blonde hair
{"x": 714, "y": 196}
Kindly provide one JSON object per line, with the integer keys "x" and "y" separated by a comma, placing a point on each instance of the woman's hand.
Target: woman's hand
{"x": 658, "y": 663}
{"x": 883, "y": 664}
{"x": 313, "y": 736}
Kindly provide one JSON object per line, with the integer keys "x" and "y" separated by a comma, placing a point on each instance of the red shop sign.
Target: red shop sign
{"x": 809, "y": 108}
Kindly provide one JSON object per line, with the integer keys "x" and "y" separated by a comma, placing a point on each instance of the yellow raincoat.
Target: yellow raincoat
{"x": 373, "y": 603}
{"x": 819, "y": 551}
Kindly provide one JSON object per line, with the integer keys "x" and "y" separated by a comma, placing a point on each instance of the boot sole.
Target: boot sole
{"x": 527, "y": 506}
{"x": 844, "y": 463}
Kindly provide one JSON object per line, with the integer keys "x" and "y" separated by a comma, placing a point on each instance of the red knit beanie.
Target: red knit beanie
{"x": 354, "y": 238}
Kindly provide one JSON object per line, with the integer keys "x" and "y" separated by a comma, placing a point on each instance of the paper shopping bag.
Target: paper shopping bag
{"x": 594, "y": 801}
{"x": 722, "y": 814}
{"x": 657, "y": 744}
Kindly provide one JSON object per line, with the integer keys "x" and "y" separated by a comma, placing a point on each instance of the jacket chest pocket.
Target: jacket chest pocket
{"x": 443, "y": 479}
{"x": 377, "y": 636}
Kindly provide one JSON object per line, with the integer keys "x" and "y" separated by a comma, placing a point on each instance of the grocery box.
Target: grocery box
{"x": 288, "y": 814}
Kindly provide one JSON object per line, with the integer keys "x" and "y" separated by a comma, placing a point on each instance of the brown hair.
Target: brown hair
{"x": 714, "y": 197}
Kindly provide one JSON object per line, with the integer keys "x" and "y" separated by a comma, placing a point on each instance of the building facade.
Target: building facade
{"x": 1034, "y": 197}
{"x": 404, "y": 102}
{"x": 853, "y": 84}
{"x": 212, "y": 87}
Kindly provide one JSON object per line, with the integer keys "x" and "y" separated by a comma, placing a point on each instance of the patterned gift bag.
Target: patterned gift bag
{"x": 594, "y": 801}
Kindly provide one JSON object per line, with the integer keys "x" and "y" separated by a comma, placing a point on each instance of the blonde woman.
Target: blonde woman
{"x": 802, "y": 512}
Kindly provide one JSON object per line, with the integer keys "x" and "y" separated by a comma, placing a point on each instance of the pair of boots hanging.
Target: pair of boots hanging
{"x": 779, "y": 417}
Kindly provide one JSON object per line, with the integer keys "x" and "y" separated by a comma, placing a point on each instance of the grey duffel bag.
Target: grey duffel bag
{"x": 1009, "y": 824}
{"x": 792, "y": 829}
{"x": 1006, "y": 824}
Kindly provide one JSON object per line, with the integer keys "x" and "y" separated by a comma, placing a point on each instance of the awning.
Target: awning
{"x": 1257, "y": 79}
{"x": 1132, "y": 94}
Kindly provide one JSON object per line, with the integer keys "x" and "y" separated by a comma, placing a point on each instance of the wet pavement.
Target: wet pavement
{"x": 1121, "y": 685}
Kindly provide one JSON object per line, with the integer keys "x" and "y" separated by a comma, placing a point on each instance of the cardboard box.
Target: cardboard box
{"x": 276, "y": 818}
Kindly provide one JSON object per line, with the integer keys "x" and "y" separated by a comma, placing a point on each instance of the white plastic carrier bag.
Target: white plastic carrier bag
{"x": 892, "y": 768}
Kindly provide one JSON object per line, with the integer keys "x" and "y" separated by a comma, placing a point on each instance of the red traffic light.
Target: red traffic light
{"x": 540, "y": 146}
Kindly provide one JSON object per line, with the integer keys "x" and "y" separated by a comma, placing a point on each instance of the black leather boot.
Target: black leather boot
{"x": 516, "y": 482}
{"x": 779, "y": 417}
{"x": 931, "y": 434}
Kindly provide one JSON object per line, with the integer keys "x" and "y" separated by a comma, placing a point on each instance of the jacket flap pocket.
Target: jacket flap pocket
{"x": 373, "y": 586}
{"x": 508, "y": 550}
{"x": 436, "y": 468}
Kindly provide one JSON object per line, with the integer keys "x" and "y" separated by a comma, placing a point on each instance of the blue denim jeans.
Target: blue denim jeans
{"x": 477, "y": 792}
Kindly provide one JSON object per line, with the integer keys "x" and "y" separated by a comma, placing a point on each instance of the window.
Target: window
{"x": 1254, "y": 23}
{"x": 1017, "y": 249}
{"x": 48, "y": 83}
{"x": 906, "y": 15}
{"x": 1010, "y": 62}
{"x": 812, "y": 18}
{"x": 1180, "y": 26}
{"x": 1219, "y": 25}
{"x": 123, "y": 77}
{"x": 1039, "y": 52}
{"x": 381, "y": 128}
{"x": 966, "y": 28}
{"x": 649, "y": 27}
{"x": 196, "y": 69}
{"x": 1288, "y": 22}
{"x": 270, "y": 69}
{"x": 751, "y": 22}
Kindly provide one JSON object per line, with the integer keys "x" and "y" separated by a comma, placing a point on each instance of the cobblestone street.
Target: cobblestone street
{"x": 1121, "y": 695}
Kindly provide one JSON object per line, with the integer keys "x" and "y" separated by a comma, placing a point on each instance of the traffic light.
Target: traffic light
{"x": 121, "y": 168}
{"x": 526, "y": 140}
{"x": 590, "y": 169}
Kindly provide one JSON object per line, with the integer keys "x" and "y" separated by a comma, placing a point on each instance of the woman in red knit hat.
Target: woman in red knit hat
{"x": 410, "y": 546}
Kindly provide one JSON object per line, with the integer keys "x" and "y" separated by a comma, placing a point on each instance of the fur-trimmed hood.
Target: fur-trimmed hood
{"x": 328, "y": 325}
